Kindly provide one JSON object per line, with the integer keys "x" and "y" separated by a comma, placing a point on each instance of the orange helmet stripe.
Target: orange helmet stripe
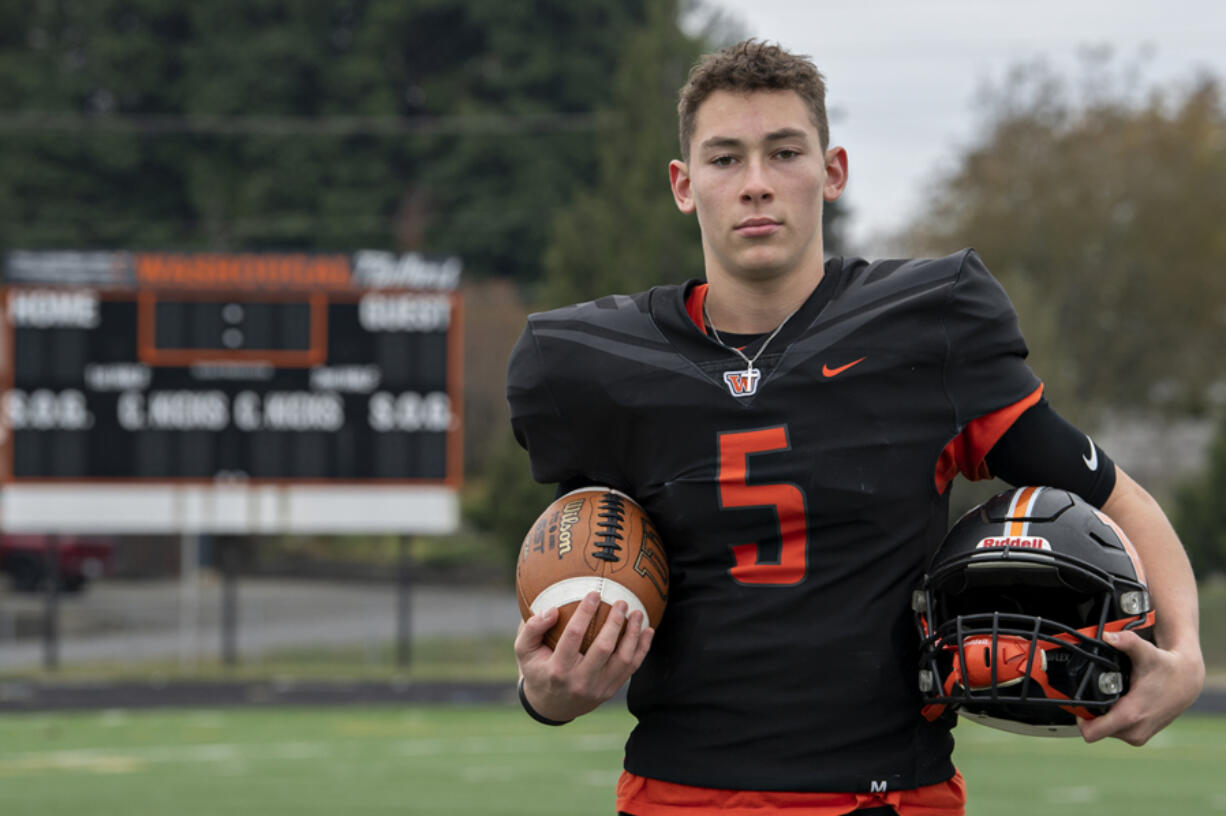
{"x": 1019, "y": 509}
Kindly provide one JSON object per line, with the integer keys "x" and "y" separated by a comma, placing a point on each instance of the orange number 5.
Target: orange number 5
{"x": 786, "y": 500}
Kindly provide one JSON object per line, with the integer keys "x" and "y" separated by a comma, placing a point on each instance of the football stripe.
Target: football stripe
{"x": 572, "y": 590}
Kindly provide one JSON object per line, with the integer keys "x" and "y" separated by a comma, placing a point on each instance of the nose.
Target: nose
{"x": 756, "y": 187}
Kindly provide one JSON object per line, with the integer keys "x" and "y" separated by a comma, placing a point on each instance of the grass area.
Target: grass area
{"x": 449, "y": 761}
{"x": 1178, "y": 771}
{"x": 299, "y": 762}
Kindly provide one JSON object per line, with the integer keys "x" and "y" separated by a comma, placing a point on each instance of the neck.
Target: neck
{"x": 737, "y": 305}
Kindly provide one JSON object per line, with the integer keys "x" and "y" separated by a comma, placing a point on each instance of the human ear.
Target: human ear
{"x": 836, "y": 173}
{"x": 679, "y": 179}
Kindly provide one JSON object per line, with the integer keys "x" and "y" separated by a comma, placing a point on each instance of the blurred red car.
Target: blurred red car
{"x": 80, "y": 559}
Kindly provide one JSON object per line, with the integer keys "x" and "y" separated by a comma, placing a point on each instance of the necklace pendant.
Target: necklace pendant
{"x": 743, "y": 382}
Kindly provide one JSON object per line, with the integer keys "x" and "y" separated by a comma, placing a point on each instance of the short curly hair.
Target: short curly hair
{"x": 751, "y": 65}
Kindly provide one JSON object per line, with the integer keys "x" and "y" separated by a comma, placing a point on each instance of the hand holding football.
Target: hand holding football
{"x": 592, "y": 539}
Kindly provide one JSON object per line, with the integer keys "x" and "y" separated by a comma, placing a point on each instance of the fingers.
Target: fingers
{"x": 631, "y": 650}
{"x": 605, "y": 643}
{"x": 567, "y": 651}
{"x": 1130, "y": 643}
{"x": 530, "y": 638}
{"x": 620, "y": 648}
{"x": 628, "y": 645}
{"x": 633, "y": 647}
{"x": 1120, "y": 723}
{"x": 1097, "y": 728}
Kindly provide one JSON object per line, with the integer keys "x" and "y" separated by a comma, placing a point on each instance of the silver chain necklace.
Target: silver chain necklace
{"x": 747, "y": 384}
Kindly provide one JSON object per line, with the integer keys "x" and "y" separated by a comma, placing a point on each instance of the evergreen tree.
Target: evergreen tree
{"x": 625, "y": 233}
{"x": 456, "y": 126}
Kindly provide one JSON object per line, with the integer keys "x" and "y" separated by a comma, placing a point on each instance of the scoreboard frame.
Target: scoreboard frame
{"x": 240, "y": 500}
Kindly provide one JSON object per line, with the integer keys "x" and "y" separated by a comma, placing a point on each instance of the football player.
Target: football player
{"x": 792, "y": 425}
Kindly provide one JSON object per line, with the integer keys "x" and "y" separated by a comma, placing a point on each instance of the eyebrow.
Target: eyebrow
{"x": 774, "y": 136}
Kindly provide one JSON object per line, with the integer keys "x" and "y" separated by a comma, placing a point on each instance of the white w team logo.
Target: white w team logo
{"x": 743, "y": 383}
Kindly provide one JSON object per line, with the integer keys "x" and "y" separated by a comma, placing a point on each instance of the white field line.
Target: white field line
{"x": 111, "y": 760}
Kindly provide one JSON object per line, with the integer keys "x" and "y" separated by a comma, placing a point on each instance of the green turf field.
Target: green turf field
{"x": 493, "y": 760}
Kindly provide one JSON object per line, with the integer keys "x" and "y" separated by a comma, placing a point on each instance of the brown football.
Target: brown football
{"x": 594, "y": 538}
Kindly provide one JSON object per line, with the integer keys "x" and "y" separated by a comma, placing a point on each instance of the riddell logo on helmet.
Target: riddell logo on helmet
{"x": 1020, "y": 542}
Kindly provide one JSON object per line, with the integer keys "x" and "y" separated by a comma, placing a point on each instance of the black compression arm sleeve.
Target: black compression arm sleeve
{"x": 1043, "y": 448}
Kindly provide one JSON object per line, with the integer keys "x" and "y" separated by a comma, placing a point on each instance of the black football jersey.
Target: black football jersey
{"x": 796, "y": 502}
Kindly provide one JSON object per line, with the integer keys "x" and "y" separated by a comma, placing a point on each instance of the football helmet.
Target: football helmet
{"x": 1013, "y": 608}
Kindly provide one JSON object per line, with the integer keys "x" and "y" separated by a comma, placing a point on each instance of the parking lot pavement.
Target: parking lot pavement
{"x": 145, "y": 620}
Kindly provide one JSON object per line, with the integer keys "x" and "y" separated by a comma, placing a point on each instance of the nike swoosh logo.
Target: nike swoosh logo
{"x": 1091, "y": 460}
{"x": 827, "y": 371}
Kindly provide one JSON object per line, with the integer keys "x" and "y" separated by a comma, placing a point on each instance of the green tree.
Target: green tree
{"x": 451, "y": 125}
{"x": 1100, "y": 213}
{"x": 1200, "y": 513}
{"x": 506, "y": 501}
{"x": 624, "y": 233}
{"x": 548, "y": 65}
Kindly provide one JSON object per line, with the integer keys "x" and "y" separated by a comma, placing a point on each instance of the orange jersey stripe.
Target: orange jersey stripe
{"x": 966, "y": 451}
{"x": 652, "y": 797}
{"x": 693, "y": 305}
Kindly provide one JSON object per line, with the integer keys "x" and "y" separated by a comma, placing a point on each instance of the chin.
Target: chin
{"x": 763, "y": 265}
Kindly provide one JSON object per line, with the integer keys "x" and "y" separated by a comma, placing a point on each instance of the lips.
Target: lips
{"x": 757, "y": 227}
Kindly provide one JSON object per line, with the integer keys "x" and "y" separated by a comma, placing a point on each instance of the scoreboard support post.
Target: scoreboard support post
{"x": 189, "y": 598}
{"x": 404, "y": 598}
{"x": 228, "y": 552}
{"x": 51, "y": 611}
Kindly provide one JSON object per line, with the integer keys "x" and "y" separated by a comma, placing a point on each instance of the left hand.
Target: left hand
{"x": 1163, "y": 684}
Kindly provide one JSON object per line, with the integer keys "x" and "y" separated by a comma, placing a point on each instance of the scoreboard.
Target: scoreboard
{"x": 251, "y": 369}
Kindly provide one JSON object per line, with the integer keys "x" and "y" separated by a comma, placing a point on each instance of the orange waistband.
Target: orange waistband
{"x": 652, "y": 797}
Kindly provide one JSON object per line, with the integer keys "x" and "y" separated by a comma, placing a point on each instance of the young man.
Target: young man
{"x": 792, "y": 426}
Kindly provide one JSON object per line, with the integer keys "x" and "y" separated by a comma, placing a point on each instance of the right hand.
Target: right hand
{"x": 562, "y": 683}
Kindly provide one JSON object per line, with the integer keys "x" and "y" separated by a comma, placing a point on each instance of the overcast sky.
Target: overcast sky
{"x": 902, "y": 75}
